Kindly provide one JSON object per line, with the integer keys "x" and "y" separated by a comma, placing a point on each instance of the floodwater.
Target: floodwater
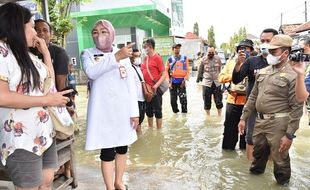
{"x": 186, "y": 153}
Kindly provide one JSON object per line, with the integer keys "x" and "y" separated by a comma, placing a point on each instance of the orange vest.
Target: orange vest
{"x": 177, "y": 69}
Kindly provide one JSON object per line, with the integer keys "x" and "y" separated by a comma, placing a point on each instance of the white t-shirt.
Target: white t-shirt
{"x": 140, "y": 95}
{"x": 31, "y": 128}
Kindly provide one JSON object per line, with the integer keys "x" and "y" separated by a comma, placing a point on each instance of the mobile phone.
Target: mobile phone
{"x": 70, "y": 95}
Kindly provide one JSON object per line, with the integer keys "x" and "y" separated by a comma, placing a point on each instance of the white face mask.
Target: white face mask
{"x": 137, "y": 61}
{"x": 144, "y": 52}
{"x": 273, "y": 60}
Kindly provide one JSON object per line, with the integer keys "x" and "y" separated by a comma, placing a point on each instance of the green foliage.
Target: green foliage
{"x": 196, "y": 29}
{"x": 235, "y": 39}
{"x": 211, "y": 37}
{"x": 59, "y": 11}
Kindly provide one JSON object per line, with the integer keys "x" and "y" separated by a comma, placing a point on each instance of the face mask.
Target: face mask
{"x": 137, "y": 61}
{"x": 144, "y": 51}
{"x": 273, "y": 60}
{"x": 247, "y": 54}
{"x": 263, "y": 49}
{"x": 104, "y": 43}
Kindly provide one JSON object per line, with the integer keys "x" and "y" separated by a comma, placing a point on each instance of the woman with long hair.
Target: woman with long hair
{"x": 27, "y": 147}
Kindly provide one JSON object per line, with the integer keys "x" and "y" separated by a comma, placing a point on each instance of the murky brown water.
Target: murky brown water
{"x": 186, "y": 153}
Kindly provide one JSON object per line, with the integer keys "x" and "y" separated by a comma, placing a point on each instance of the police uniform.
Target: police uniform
{"x": 208, "y": 73}
{"x": 278, "y": 114}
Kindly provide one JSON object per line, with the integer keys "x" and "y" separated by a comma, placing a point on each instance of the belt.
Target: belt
{"x": 271, "y": 115}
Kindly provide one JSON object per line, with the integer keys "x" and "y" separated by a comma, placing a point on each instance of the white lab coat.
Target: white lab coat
{"x": 112, "y": 101}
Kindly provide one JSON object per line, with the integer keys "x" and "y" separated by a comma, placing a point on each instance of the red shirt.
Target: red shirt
{"x": 156, "y": 67}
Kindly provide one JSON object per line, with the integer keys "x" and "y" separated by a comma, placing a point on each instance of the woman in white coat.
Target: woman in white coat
{"x": 113, "y": 113}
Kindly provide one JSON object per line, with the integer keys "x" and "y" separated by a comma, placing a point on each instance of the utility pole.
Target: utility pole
{"x": 306, "y": 11}
{"x": 281, "y": 19}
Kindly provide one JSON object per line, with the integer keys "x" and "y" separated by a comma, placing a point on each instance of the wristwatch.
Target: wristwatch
{"x": 290, "y": 136}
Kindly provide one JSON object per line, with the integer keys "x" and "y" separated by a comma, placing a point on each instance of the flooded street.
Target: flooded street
{"x": 186, "y": 153}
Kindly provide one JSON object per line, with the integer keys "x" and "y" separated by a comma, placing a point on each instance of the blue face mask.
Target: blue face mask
{"x": 263, "y": 49}
{"x": 247, "y": 54}
{"x": 245, "y": 51}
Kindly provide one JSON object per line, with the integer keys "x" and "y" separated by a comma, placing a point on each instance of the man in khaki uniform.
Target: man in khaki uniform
{"x": 278, "y": 112}
{"x": 208, "y": 73}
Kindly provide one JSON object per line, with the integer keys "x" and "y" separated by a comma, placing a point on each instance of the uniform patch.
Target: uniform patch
{"x": 4, "y": 51}
{"x": 282, "y": 74}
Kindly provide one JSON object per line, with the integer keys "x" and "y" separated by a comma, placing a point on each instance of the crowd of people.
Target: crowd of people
{"x": 266, "y": 91}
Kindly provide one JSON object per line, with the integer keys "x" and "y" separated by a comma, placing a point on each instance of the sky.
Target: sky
{"x": 227, "y": 16}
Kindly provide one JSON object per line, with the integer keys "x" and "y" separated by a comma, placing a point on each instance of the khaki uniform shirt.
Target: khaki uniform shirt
{"x": 274, "y": 92}
{"x": 211, "y": 70}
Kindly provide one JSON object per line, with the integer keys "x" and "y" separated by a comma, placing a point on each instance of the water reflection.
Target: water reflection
{"x": 186, "y": 153}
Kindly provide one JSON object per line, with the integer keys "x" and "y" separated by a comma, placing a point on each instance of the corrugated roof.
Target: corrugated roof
{"x": 288, "y": 29}
{"x": 190, "y": 35}
{"x": 304, "y": 27}
{"x": 252, "y": 37}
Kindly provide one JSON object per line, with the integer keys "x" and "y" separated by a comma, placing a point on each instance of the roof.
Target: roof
{"x": 304, "y": 27}
{"x": 288, "y": 29}
{"x": 251, "y": 37}
{"x": 190, "y": 35}
{"x": 146, "y": 17}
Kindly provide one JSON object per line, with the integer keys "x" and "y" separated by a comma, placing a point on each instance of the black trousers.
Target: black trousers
{"x": 217, "y": 93}
{"x": 176, "y": 91}
{"x": 231, "y": 133}
{"x": 142, "y": 108}
{"x": 155, "y": 107}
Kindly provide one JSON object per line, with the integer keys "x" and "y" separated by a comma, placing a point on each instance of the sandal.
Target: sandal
{"x": 126, "y": 186}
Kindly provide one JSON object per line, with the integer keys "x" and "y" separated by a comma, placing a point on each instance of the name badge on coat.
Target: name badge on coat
{"x": 98, "y": 58}
{"x": 122, "y": 71}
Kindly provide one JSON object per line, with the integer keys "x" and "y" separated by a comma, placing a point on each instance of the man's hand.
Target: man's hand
{"x": 183, "y": 84}
{"x": 241, "y": 126}
{"x": 198, "y": 80}
{"x": 285, "y": 144}
{"x": 241, "y": 57}
{"x": 154, "y": 87}
{"x": 298, "y": 67}
{"x": 134, "y": 122}
{"x": 124, "y": 53}
{"x": 40, "y": 44}
{"x": 170, "y": 85}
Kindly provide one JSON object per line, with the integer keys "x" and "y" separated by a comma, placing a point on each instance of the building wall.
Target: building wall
{"x": 163, "y": 5}
{"x": 110, "y": 4}
{"x": 81, "y": 37}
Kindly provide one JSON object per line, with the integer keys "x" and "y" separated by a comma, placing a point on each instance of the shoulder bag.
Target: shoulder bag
{"x": 163, "y": 87}
{"x": 146, "y": 88}
{"x": 62, "y": 121}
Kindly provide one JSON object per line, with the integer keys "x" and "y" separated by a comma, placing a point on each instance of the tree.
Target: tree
{"x": 196, "y": 29}
{"x": 234, "y": 40}
{"x": 59, "y": 11}
{"x": 211, "y": 37}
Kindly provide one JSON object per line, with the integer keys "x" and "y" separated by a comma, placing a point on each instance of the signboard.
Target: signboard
{"x": 32, "y": 6}
{"x": 163, "y": 45}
